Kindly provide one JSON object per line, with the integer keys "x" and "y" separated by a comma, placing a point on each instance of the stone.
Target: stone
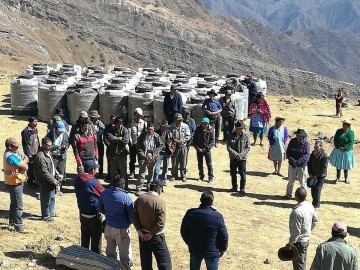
{"x": 5, "y": 264}
{"x": 29, "y": 246}
{"x": 267, "y": 261}
{"x": 59, "y": 238}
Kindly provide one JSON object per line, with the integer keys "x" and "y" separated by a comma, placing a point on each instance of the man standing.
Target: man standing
{"x": 108, "y": 127}
{"x": 204, "y": 139}
{"x": 238, "y": 147}
{"x": 84, "y": 144}
{"x": 149, "y": 217}
{"x": 203, "y": 230}
{"x": 166, "y": 152}
{"x": 172, "y": 103}
{"x": 192, "y": 125}
{"x": 228, "y": 113}
{"x": 181, "y": 135}
{"x": 47, "y": 178}
{"x": 148, "y": 148}
{"x": 297, "y": 152}
{"x": 335, "y": 253}
{"x": 117, "y": 206}
{"x": 117, "y": 138}
{"x": 31, "y": 145}
{"x": 76, "y": 127}
{"x": 15, "y": 165}
{"x": 99, "y": 129}
{"x": 303, "y": 219}
{"x": 212, "y": 110}
{"x": 136, "y": 127}
{"x": 252, "y": 87}
{"x": 88, "y": 190}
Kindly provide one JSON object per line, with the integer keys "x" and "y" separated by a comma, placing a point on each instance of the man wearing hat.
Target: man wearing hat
{"x": 187, "y": 119}
{"x": 166, "y": 152}
{"x": 47, "y": 177}
{"x": 117, "y": 139}
{"x": 204, "y": 140}
{"x": 108, "y": 127}
{"x": 335, "y": 253}
{"x": 136, "y": 127}
{"x": 298, "y": 153}
{"x": 58, "y": 116}
{"x": 31, "y": 145}
{"x": 60, "y": 143}
{"x": 228, "y": 113}
{"x": 172, "y": 103}
{"x": 238, "y": 147}
{"x": 15, "y": 165}
{"x": 252, "y": 87}
{"x": 212, "y": 109}
{"x": 84, "y": 144}
{"x": 76, "y": 127}
{"x": 303, "y": 219}
{"x": 181, "y": 135}
{"x": 148, "y": 148}
{"x": 99, "y": 128}
{"x": 87, "y": 190}
{"x": 148, "y": 217}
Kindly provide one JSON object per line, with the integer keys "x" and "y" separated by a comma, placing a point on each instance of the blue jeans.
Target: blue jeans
{"x": 164, "y": 159}
{"x": 16, "y": 205}
{"x": 47, "y": 201}
{"x": 211, "y": 263}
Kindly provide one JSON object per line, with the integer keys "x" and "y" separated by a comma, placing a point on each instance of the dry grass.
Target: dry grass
{"x": 257, "y": 223}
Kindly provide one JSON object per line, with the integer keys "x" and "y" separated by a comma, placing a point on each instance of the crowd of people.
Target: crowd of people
{"x": 43, "y": 166}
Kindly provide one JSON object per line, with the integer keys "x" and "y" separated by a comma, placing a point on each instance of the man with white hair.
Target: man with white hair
{"x": 136, "y": 127}
{"x": 335, "y": 253}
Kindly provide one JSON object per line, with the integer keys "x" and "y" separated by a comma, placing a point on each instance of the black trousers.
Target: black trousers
{"x": 302, "y": 248}
{"x": 170, "y": 118}
{"x": 238, "y": 166}
{"x": 316, "y": 191}
{"x": 30, "y": 171}
{"x": 200, "y": 159}
{"x": 228, "y": 124}
{"x": 156, "y": 245}
{"x": 215, "y": 123}
{"x": 101, "y": 149}
{"x": 91, "y": 231}
{"x": 133, "y": 156}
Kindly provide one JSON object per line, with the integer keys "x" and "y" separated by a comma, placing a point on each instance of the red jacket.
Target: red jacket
{"x": 84, "y": 147}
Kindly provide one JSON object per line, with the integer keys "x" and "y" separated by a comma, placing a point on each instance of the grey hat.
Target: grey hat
{"x": 301, "y": 132}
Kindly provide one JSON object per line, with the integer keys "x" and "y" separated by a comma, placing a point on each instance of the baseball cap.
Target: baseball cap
{"x": 90, "y": 164}
{"x": 84, "y": 114}
{"x": 340, "y": 226}
{"x": 60, "y": 126}
{"x": 205, "y": 120}
{"x": 139, "y": 111}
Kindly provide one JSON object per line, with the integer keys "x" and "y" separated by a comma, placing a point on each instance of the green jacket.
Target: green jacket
{"x": 335, "y": 254}
{"x": 345, "y": 140}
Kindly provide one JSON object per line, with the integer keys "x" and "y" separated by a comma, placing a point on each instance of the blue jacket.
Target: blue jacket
{"x": 298, "y": 153}
{"x": 173, "y": 105}
{"x": 117, "y": 206}
{"x": 87, "y": 190}
{"x": 204, "y": 231}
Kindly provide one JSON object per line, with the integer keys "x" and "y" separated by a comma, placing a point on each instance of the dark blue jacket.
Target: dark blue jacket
{"x": 117, "y": 206}
{"x": 87, "y": 190}
{"x": 174, "y": 105}
{"x": 204, "y": 231}
{"x": 298, "y": 153}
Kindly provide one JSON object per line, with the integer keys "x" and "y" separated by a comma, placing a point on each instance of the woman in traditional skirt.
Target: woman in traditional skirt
{"x": 278, "y": 135}
{"x": 342, "y": 156}
{"x": 260, "y": 116}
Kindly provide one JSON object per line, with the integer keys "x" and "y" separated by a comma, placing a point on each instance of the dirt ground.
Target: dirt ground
{"x": 257, "y": 223}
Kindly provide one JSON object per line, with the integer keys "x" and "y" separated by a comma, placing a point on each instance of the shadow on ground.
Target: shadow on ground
{"x": 275, "y": 204}
{"x": 44, "y": 260}
{"x": 343, "y": 204}
{"x": 354, "y": 231}
{"x": 200, "y": 188}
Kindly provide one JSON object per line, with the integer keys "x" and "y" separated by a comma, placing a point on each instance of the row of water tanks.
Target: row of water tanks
{"x": 118, "y": 92}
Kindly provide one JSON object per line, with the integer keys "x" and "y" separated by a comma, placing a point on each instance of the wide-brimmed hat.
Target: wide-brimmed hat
{"x": 94, "y": 114}
{"x": 164, "y": 123}
{"x": 239, "y": 124}
{"x": 118, "y": 119}
{"x": 211, "y": 92}
{"x": 346, "y": 121}
{"x": 301, "y": 132}
{"x": 311, "y": 182}
{"x": 291, "y": 254}
{"x": 279, "y": 118}
{"x": 157, "y": 182}
{"x": 186, "y": 110}
{"x": 228, "y": 92}
{"x": 178, "y": 117}
{"x": 173, "y": 87}
{"x": 12, "y": 141}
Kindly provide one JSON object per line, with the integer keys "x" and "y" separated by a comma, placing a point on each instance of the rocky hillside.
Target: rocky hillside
{"x": 163, "y": 33}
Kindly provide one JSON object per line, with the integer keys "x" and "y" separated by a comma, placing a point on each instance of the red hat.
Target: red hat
{"x": 249, "y": 75}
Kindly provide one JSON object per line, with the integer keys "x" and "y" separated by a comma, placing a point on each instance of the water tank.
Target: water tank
{"x": 113, "y": 102}
{"x": 241, "y": 105}
{"x": 51, "y": 96}
{"x": 81, "y": 99}
{"x": 24, "y": 95}
{"x": 197, "y": 112}
{"x": 159, "y": 116}
{"x": 144, "y": 101}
